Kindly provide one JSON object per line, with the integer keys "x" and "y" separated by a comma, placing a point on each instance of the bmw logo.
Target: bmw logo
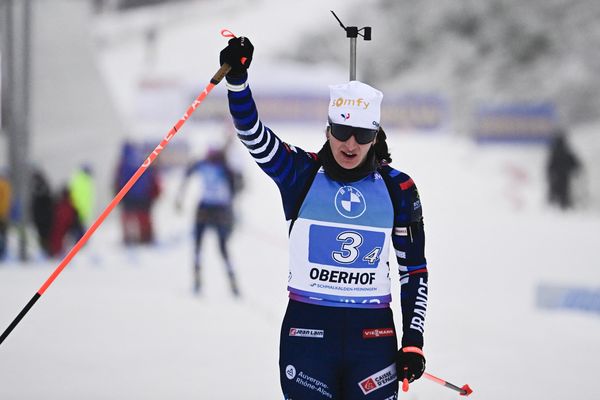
{"x": 350, "y": 202}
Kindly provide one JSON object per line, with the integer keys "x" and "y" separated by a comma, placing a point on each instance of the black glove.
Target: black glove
{"x": 410, "y": 363}
{"x": 238, "y": 54}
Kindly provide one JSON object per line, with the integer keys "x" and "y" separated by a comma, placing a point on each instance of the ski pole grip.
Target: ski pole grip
{"x": 220, "y": 74}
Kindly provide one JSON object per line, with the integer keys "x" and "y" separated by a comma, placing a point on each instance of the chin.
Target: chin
{"x": 349, "y": 166}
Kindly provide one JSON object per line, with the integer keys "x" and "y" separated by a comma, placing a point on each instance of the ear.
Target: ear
{"x": 327, "y": 132}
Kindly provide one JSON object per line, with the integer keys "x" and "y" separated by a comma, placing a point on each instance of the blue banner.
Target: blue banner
{"x": 515, "y": 122}
{"x": 568, "y": 297}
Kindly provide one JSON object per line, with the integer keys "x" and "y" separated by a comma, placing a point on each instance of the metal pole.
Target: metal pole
{"x": 352, "y": 33}
{"x": 353, "y": 58}
{"x": 18, "y": 15}
{"x": 7, "y": 57}
{"x": 3, "y": 66}
{"x": 3, "y": 114}
{"x": 8, "y": 86}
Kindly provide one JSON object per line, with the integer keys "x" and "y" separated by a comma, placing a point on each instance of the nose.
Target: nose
{"x": 351, "y": 142}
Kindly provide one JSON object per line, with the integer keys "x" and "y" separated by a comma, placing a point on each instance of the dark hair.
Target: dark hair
{"x": 382, "y": 154}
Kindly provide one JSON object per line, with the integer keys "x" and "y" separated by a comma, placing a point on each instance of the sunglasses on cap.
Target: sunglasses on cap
{"x": 343, "y": 133}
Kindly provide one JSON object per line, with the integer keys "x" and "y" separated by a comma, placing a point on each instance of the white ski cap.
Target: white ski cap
{"x": 355, "y": 104}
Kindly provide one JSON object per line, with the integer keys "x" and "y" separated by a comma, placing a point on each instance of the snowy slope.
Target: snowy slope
{"x": 122, "y": 323}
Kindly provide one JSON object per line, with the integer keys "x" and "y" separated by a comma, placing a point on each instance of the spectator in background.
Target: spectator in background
{"x": 5, "y": 203}
{"x": 65, "y": 221}
{"x": 82, "y": 193}
{"x": 41, "y": 204}
{"x": 220, "y": 183}
{"x": 561, "y": 167}
{"x": 136, "y": 218}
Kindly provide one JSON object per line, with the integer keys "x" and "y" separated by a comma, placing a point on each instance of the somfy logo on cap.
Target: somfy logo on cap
{"x": 355, "y": 104}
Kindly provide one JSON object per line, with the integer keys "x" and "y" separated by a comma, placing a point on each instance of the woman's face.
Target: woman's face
{"x": 348, "y": 154}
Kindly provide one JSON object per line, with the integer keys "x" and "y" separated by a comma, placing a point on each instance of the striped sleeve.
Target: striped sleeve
{"x": 287, "y": 165}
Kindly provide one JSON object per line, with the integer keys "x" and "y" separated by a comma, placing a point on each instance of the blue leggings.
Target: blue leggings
{"x": 337, "y": 353}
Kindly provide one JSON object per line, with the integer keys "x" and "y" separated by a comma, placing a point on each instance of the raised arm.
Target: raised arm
{"x": 290, "y": 167}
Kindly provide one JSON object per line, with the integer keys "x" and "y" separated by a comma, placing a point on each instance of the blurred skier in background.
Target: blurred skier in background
{"x": 220, "y": 183}
{"x": 345, "y": 207}
{"x": 136, "y": 206}
{"x": 561, "y": 167}
{"x": 65, "y": 223}
{"x": 41, "y": 205}
{"x": 82, "y": 192}
{"x": 5, "y": 204}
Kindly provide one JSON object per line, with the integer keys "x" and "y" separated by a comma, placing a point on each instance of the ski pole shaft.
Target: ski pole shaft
{"x": 225, "y": 68}
{"x": 465, "y": 390}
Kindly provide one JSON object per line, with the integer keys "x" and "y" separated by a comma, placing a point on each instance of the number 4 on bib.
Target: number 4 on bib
{"x": 373, "y": 256}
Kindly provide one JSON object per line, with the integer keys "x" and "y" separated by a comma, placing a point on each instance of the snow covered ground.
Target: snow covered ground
{"x": 122, "y": 323}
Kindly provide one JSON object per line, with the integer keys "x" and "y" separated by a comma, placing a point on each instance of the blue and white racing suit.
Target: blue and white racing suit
{"x": 338, "y": 339}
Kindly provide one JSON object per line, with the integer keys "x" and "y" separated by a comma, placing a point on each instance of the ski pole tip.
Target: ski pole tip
{"x": 405, "y": 385}
{"x": 466, "y": 390}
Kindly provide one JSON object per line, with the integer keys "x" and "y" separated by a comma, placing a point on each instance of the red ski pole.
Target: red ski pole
{"x": 225, "y": 68}
{"x": 465, "y": 390}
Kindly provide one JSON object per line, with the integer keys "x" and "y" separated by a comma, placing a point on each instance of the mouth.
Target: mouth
{"x": 348, "y": 154}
